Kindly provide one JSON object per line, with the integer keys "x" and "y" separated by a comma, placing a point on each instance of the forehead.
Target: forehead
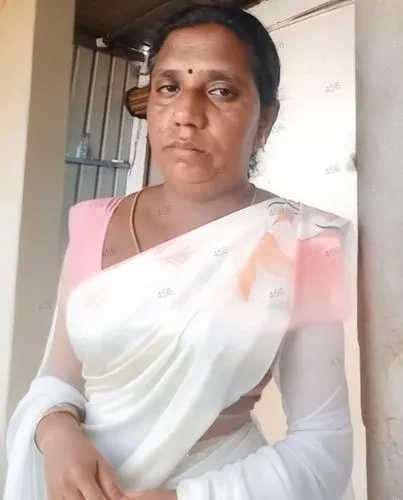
{"x": 204, "y": 47}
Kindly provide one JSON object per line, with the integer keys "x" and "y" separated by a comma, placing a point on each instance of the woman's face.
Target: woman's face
{"x": 204, "y": 112}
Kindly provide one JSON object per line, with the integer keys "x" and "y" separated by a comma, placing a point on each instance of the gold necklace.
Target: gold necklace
{"x": 131, "y": 221}
{"x": 133, "y": 208}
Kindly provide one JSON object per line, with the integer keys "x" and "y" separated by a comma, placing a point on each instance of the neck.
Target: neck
{"x": 212, "y": 202}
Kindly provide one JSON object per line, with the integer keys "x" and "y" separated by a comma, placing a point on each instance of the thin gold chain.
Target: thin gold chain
{"x": 131, "y": 220}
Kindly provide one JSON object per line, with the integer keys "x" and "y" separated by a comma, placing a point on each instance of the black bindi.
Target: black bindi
{"x": 190, "y": 71}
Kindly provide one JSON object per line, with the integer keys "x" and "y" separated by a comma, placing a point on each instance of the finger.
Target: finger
{"x": 108, "y": 484}
{"x": 91, "y": 491}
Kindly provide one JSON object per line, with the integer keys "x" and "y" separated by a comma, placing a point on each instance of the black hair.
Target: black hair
{"x": 265, "y": 62}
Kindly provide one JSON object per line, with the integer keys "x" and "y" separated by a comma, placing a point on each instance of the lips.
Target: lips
{"x": 185, "y": 146}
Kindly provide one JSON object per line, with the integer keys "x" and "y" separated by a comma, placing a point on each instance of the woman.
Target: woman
{"x": 178, "y": 304}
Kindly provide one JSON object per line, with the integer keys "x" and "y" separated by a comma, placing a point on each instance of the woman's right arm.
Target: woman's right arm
{"x": 61, "y": 363}
{"x": 80, "y": 471}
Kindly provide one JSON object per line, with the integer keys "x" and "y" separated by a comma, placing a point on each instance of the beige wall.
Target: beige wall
{"x": 35, "y": 62}
{"x": 14, "y": 105}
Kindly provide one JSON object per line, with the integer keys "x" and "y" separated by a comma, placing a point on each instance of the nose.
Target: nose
{"x": 189, "y": 110}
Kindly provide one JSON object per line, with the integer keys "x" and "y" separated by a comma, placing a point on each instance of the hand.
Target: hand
{"x": 74, "y": 469}
{"x": 153, "y": 495}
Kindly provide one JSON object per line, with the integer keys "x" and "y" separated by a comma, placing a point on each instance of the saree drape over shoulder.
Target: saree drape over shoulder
{"x": 168, "y": 339}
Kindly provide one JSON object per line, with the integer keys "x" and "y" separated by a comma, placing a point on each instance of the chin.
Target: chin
{"x": 183, "y": 173}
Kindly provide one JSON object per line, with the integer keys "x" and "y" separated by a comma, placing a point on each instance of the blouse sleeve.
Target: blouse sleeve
{"x": 314, "y": 460}
{"x": 87, "y": 221}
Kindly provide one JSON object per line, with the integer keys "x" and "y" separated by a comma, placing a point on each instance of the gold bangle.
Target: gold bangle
{"x": 66, "y": 409}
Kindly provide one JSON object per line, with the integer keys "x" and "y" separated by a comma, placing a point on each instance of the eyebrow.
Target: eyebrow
{"x": 213, "y": 74}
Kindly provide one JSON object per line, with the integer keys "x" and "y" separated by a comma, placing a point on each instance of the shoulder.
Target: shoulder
{"x": 317, "y": 222}
{"x": 89, "y": 213}
{"x": 87, "y": 226}
{"x": 94, "y": 207}
{"x": 307, "y": 221}
{"x": 323, "y": 280}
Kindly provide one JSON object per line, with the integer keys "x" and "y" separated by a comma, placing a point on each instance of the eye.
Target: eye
{"x": 222, "y": 92}
{"x": 167, "y": 89}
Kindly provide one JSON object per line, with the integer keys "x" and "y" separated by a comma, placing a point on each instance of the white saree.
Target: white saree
{"x": 169, "y": 338}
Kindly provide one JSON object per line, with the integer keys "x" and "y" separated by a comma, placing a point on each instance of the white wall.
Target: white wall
{"x": 136, "y": 178}
{"x": 271, "y": 12}
{"x": 317, "y": 114}
{"x": 309, "y": 157}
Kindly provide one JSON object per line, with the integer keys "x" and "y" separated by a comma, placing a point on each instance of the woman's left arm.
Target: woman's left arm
{"x": 314, "y": 461}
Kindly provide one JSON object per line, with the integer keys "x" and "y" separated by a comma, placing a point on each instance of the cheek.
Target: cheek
{"x": 157, "y": 122}
{"x": 239, "y": 130}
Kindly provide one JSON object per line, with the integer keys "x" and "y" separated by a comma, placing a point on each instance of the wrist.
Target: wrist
{"x": 54, "y": 425}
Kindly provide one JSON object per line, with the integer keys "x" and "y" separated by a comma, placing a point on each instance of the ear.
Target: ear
{"x": 268, "y": 117}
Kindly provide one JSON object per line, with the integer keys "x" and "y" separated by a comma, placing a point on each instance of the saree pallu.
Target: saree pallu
{"x": 171, "y": 337}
